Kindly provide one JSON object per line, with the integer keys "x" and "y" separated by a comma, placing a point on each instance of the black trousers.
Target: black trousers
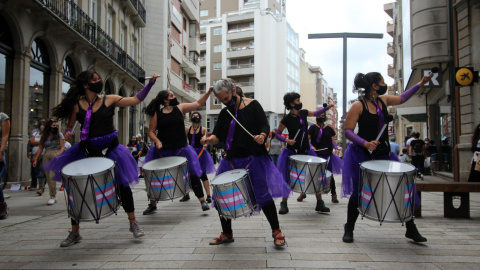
{"x": 419, "y": 163}
{"x": 270, "y": 212}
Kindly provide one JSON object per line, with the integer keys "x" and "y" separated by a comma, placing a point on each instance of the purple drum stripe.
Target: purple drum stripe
{"x": 107, "y": 192}
{"x": 408, "y": 191}
{"x": 322, "y": 178}
{"x": 70, "y": 196}
{"x": 186, "y": 176}
{"x": 236, "y": 207}
{"x": 297, "y": 176}
{"x": 366, "y": 195}
{"x": 230, "y": 199}
{"x": 164, "y": 184}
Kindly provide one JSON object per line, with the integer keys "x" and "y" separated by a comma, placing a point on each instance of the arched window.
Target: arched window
{"x": 6, "y": 66}
{"x": 39, "y": 84}
{"x": 69, "y": 75}
{"x": 108, "y": 87}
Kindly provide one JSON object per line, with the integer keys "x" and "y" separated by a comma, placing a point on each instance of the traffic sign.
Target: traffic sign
{"x": 436, "y": 80}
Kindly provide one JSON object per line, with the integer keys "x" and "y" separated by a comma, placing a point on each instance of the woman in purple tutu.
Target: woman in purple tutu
{"x": 322, "y": 138}
{"x": 370, "y": 113}
{"x": 95, "y": 113}
{"x": 297, "y": 143}
{"x": 171, "y": 139}
{"x": 244, "y": 152}
{"x": 194, "y": 135}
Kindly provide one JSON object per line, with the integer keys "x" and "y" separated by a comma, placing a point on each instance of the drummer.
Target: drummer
{"x": 245, "y": 152}
{"x": 297, "y": 143}
{"x": 171, "y": 139}
{"x": 322, "y": 138}
{"x": 370, "y": 112}
{"x": 95, "y": 113}
{"x": 194, "y": 134}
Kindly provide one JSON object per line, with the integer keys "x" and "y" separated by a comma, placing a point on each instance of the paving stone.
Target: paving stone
{"x": 394, "y": 266}
{"x": 63, "y": 265}
{"x": 144, "y": 265}
{"x": 308, "y": 264}
{"x": 231, "y": 264}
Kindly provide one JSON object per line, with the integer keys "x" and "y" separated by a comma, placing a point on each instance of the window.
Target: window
{"x": 216, "y": 101}
{"x": 217, "y": 48}
{"x": 217, "y": 31}
{"x": 93, "y": 10}
{"x": 208, "y": 125}
{"x": 203, "y": 13}
{"x": 109, "y": 22}
{"x": 122, "y": 38}
{"x": 217, "y": 65}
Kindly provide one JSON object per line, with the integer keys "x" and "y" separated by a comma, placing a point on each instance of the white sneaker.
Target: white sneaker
{"x": 52, "y": 201}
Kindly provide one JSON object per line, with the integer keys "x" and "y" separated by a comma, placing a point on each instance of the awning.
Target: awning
{"x": 419, "y": 113}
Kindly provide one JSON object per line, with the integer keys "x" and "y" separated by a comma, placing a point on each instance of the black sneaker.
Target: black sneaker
{"x": 321, "y": 207}
{"x": 412, "y": 233}
{"x": 3, "y": 210}
{"x": 185, "y": 198}
{"x": 209, "y": 199}
{"x": 150, "y": 209}
{"x": 205, "y": 206}
{"x": 348, "y": 235}
{"x": 283, "y": 208}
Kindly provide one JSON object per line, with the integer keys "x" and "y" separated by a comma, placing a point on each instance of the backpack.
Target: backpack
{"x": 418, "y": 147}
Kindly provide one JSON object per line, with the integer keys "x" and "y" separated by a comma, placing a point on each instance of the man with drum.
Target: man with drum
{"x": 98, "y": 139}
{"x": 243, "y": 127}
{"x": 297, "y": 143}
{"x": 370, "y": 113}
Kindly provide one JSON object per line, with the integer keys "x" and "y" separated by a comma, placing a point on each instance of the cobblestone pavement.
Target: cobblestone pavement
{"x": 177, "y": 236}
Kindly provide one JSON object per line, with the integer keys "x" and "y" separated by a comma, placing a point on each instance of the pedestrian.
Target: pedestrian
{"x": 394, "y": 147}
{"x": 297, "y": 143}
{"x": 31, "y": 152}
{"x": 83, "y": 103}
{"x": 142, "y": 151}
{"x": 404, "y": 157}
{"x": 274, "y": 146}
{"x": 418, "y": 154}
{"x": 4, "y": 133}
{"x": 475, "y": 168}
{"x": 409, "y": 148}
{"x": 243, "y": 151}
{"x": 39, "y": 173}
{"x": 370, "y": 112}
{"x": 166, "y": 117}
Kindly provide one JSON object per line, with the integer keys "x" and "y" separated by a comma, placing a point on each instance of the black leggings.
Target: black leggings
{"x": 204, "y": 177}
{"x": 270, "y": 212}
{"x": 126, "y": 198}
{"x": 197, "y": 186}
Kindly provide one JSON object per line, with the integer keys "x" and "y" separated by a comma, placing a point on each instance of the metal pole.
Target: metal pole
{"x": 344, "y": 116}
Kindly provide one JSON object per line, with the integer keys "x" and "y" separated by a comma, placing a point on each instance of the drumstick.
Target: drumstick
{"x": 74, "y": 126}
{"x": 322, "y": 149}
{"x": 389, "y": 119}
{"x": 296, "y": 134}
{"x": 240, "y": 124}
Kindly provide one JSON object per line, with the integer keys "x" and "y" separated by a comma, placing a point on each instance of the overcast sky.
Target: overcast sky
{"x": 363, "y": 55}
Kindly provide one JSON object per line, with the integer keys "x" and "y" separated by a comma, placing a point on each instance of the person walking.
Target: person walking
{"x": 38, "y": 171}
{"x": 274, "y": 146}
{"x": 394, "y": 147}
{"x": 418, "y": 155}
{"x": 475, "y": 168}
{"x": 4, "y": 133}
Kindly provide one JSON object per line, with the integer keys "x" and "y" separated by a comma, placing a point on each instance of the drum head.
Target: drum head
{"x": 87, "y": 166}
{"x": 387, "y": 166}
{"x": 228, "y": 177}
{"x": 307, "y": 159}
{"x": 164, "y": 163}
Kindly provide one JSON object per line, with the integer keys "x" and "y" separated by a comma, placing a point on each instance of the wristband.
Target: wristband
{"x": 278, "y": 135}
{"x": 144, "y": 92}
{"x": 405, "y": 96}
{"x": 354, "y": 138}
{"x": 320, "y": 111}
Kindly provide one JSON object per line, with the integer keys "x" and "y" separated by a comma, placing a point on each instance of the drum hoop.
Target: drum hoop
{"x": 312, "y": 162}
{"x": 83, "y": 175}
{"x": 413, "y": 169}
{"x": 180, "y": 164}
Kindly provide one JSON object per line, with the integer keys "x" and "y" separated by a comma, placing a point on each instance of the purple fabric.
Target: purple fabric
{"x": 405, "y": 96}
{"x": 192, "y": 143}
{"x": 320, "y": 131}
{"x": 206, "y": 161}
{"x": 284, "y": 161}
{"x": 266, "y": 179}
{"x": 144, "y": 92}
{"x": 67, "y": 130}
{"x": 86, "y": 123}
{"x": 231, "y": 131}
{"x": 381, "y": 117}
{"x": 278, "y": 135}
{"x": 320, "y": 111}
{"x": 354, "y": 137}
{"x": 187, "y": 152}
{"x": 125, "y": 164}
{"x": 335, "y": 163}
{"x": 335, "y": 145}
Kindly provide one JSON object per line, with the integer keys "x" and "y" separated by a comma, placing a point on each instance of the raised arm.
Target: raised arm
{"x": 132, "y": 101}
{"x": 321, "y": 110}
{"x": 405, "y": 96}
{"x": 189, "y": 107}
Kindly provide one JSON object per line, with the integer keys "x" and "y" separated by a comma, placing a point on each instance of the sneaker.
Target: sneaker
{"x": 185, "y": 198}
{"x": 205, "y": 206}
{"x": 3, "y": 210}
{"x": 283, "y": 208}
{"x": 52, "y": 201}
{"x": 412, "y": 233}
{"x": 209, "y": 199}
{"x": 61, "y": 188}
{"x": 32, "y": 188}
{"x": 135, "y": 229}
{"x": 334, "y": 198}
{"x": 348, "y": 235}
{"x": 40, "y": 192}
{"x": 321, "y": 207}
{"x": 141, "y": 176}
{"x": 72, "y": 239}
{"x": 301, "y": 197}
{"x": 150, "y": 209}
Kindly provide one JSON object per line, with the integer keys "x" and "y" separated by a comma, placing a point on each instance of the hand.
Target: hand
{"x": 260, "y": 139}
{"x": 34, "y": 162}
{"x": 210, "y": 89}
{"x": 331, "y": 105}
{"x": 68, "y": 135}
{"x": 424, "y": 80}
{"x": 313, "y": 148}
{"x": 158, "y": 145}
{"x": 203, "y": 141}
{"x": 371, "y": 145}
{"x": 154, "y": 77}
{"x": 29, "y": 154}
{"x": 290, "y": 142}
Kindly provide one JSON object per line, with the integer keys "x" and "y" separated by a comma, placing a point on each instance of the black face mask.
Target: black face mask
{"x": 54, "y": 129}
{"x": 232, "y": 101}
{"x": 195, "y": 120}
{"x": 173, "y": 102}
{"x": 321, "y": 120}
{"x": 298, "y": 106}
{"x": 96, "y": 87}
{"x": 382, "y": 90}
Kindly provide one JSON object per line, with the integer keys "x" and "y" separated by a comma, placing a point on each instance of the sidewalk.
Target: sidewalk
{"x": 177, "y": 237}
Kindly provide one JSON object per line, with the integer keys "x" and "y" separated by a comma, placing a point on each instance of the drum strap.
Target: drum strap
{"x": 201, "y": 152}
{"x": 246, "y": 167}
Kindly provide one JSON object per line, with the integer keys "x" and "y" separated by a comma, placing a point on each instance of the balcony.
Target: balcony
{"x": 239, "y": 52}
{"x": 240, "y": 70}
{"x": 190, "y": 7}
{"x": 192, "y": 65}
{"x": 242, "y": 15}
{"x": 194, "y": 43}
{"x": 136, "y": 9}
{"x": 390, "y": 27}
{"x": 237, "y": 34}
{"x": 389, "y": 8}
{"x": 203, "y": 79}
{"x": 247, "y": 87}
{"x": 391, "y": 71}
{"x": 80, "y": 23}
{"x": 202, "y": 62}
{"x": 390, "y": 49}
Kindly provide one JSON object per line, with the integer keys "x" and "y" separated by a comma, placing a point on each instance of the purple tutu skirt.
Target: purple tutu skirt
{"x": 206, "y": 161}
{"x": 187, "y": 152}
{"x": 335, "y": 163}
{"x": 283, "y": 162}
{"x": 125, "y": 164}
{"x": 266, "y": 179}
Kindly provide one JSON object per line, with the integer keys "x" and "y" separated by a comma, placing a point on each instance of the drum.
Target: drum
{"x": 91, "y": 189}
{"x": 167, "y": 178}
{"x": 386, "y": 191}
{"x": 328, "y": 184}
{"x": 307, "y": 174}
{"x": 233, "y": 194}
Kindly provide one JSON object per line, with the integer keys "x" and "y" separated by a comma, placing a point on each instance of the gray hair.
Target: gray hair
{"x": 225, "y": 85}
